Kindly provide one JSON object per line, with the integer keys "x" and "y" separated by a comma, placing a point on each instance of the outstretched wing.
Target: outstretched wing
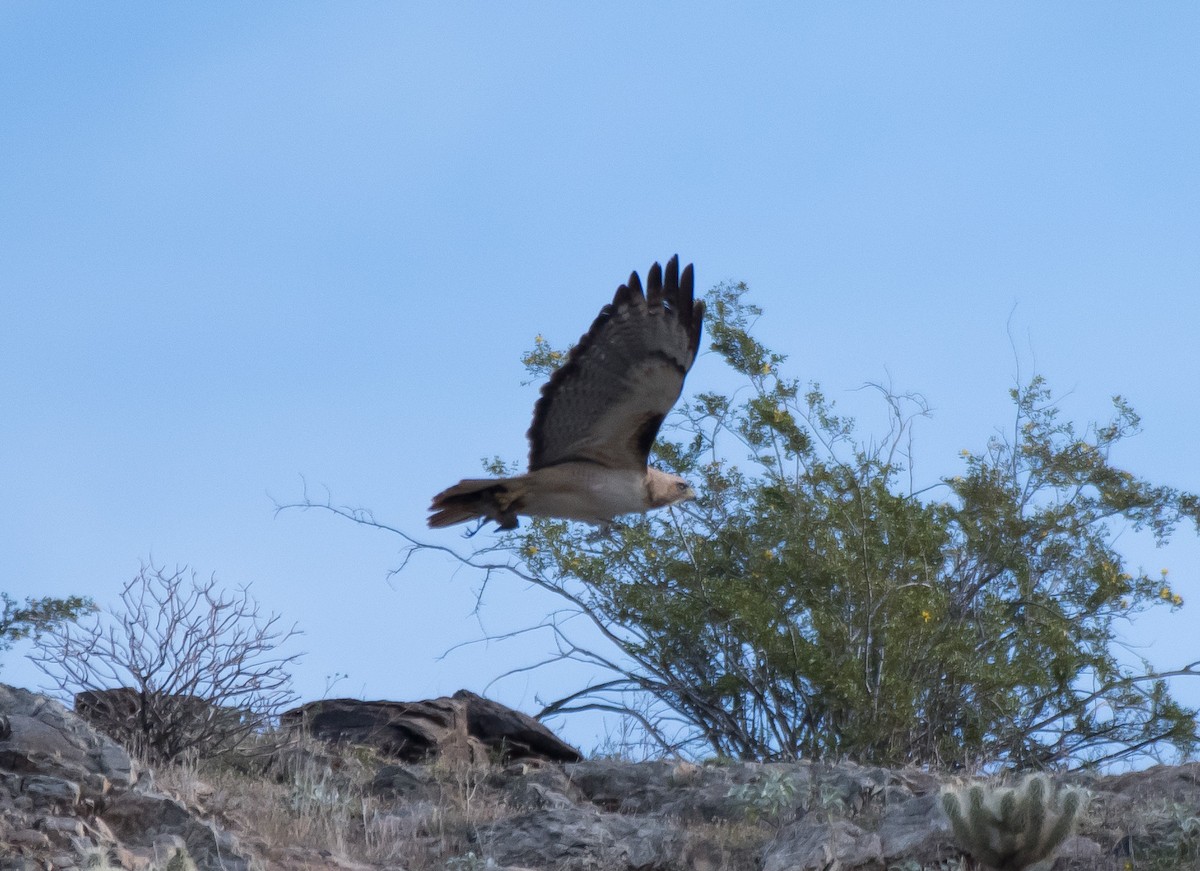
{"x": 607, "y": 401}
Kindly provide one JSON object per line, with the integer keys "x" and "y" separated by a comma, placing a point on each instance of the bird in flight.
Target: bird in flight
{"x": 598, "y": 416}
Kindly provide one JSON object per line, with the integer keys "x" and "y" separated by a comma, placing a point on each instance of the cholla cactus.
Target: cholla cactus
{"x": 1010, "y": 828}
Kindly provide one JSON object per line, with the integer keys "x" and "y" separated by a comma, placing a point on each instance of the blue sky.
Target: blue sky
{"x": 246, "y": 244}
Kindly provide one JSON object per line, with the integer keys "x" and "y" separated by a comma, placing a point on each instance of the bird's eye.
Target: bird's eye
{"x": 682, "y": 485}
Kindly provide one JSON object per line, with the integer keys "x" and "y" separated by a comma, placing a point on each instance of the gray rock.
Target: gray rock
{"x": 50, "y": 758}
{"x": 46, "y": 789}
{"x": 1176, "y": 783}
{"x": 19, "y": 863}
{"x": 622, "y": 787}
{"x": 45, "y": 738}
{"x": 61, "y": 829}
{"x": 578, "y": 839}
{"x": 535, "y": 795}
{"x": 30, "y": 838}
{"x": 691, "y": 793}
{"x": 917, "y": 829}
{"x": 824, "y": 846}
{"x": 849, "y": 785}
{"x": 135, "y": 860}
{"x": 143, "y": 819}
{"x": 399, "y": 781}
{"x": 526, "y": 786}
{"x": 1079, "y": 852}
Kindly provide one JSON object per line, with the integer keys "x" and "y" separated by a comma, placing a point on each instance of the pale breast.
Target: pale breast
{"x": 586, "y": 491}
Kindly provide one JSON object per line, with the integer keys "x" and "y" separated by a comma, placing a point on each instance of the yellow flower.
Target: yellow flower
{"x": 1177, "y": 600}
{"x": 531, "y": 550}
{"x": 766, "y": 369}
{"x": 1164, "y": 572}
{"x": 926, "y": 616}
{"x": 538, "y": 339}
{"x": 1165, "y": 593}
{"x": 964, "y": 453}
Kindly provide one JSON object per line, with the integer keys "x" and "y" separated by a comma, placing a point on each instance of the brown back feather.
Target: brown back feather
{"x": 608, "y": 400}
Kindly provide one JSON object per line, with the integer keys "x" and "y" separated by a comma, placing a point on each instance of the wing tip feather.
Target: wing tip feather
{"x": 629, "y": 293}
{"x": 654, "y": 286}
{"x": 696, "y": 325}
{"x": 672, "y": 278}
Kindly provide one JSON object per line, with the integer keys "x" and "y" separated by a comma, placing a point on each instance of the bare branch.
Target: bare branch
{"x": 180, "y": 667}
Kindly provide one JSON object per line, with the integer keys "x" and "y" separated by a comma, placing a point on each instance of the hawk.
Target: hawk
{"x": 598, "y": 416}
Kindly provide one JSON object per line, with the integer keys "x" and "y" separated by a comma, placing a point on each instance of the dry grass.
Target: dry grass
{"x": 311, "y": 800}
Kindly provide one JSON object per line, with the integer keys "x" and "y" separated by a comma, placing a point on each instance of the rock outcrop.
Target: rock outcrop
{"x": 810, "y": 816}
{"x": 463, "y": 726}
{"x": 163, "y": 725}
{"x": 67, "y": 793}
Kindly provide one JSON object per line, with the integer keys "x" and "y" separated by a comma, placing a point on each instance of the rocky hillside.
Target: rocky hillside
{"x": 72, "y": 798}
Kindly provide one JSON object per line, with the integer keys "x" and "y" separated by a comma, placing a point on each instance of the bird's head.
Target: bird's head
{"x": 663, "y": 489}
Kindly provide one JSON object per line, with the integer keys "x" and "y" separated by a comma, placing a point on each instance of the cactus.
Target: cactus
{"x": 1010, "y": 828}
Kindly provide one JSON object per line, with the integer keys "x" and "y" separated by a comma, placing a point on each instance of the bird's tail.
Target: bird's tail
{"x": 496, "y": 499}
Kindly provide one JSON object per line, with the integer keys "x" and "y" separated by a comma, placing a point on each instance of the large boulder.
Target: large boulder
{"x": 39, "y": 738}
{"x": 462, "y": 727}
{"x": 67, "y": 790}
{"x": 163, "y": 725}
